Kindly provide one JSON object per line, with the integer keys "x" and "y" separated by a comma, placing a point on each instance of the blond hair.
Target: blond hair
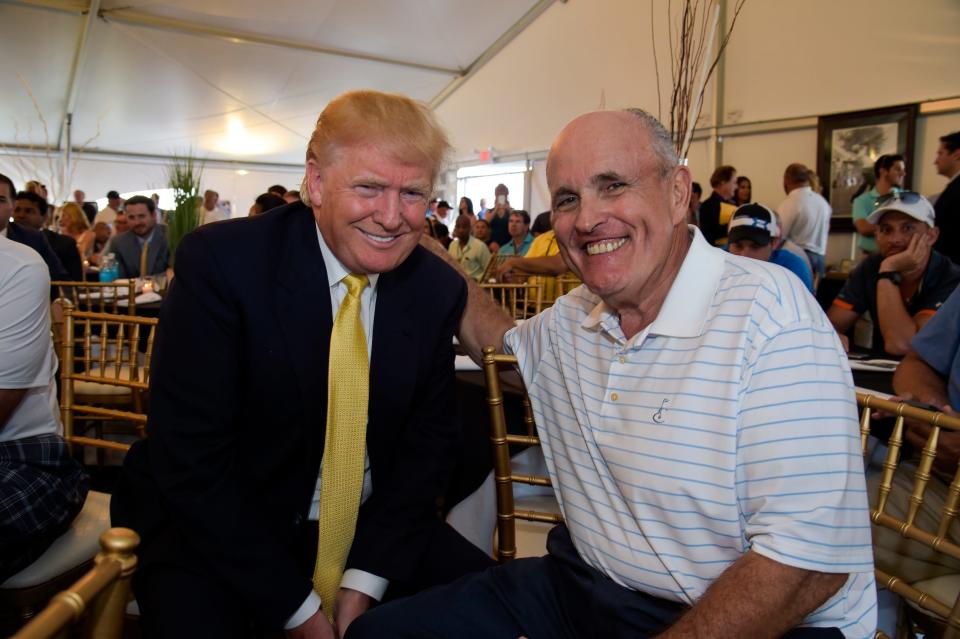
{"x": 72, "y": 218}
{"x": 395, "y": 124}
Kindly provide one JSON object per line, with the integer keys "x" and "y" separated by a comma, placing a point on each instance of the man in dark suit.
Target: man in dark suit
{"x": 23, "y": 235}
{"x": 31, "y": 212}
{"x": 247, "y": 354}
{"x": 947, "y": 206}
{"x": 145, "y": 244}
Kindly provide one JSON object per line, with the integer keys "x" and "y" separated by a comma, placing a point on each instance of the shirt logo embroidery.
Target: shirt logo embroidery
{"x": 658, "y": 415}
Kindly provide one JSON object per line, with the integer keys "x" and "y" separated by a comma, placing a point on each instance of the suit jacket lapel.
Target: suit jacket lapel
{"x": 304, "y": 313}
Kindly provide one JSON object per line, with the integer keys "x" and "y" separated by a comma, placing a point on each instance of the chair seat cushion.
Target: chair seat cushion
{"x": 944, "y": 589}
{"x": 78, "y": 544}
{"x": 96, "y": 388}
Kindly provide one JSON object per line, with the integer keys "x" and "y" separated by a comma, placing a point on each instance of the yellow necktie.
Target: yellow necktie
{"x": 341, "y": 480}
{"x": 144, "y": 252}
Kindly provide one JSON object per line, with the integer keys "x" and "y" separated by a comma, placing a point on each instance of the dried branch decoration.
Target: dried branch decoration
{"x": 692, "y": 62}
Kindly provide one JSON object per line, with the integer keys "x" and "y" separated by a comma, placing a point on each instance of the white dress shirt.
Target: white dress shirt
{"x": 805, "y": 219}
{"x": 359, "y": 580}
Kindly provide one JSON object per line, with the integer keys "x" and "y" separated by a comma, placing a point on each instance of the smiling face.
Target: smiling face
{"x": 140, "y": 220}
{"x": 615, "y": 217}
{"x": 369, "y": 206}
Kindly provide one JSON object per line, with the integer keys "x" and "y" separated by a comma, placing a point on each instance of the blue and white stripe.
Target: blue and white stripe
{"x": 728, "y": 424}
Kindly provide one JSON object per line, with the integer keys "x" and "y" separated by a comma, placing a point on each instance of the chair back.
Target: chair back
{"x": 490, "y": 272}
{"x": 98, "y": 600}
{"x": 566, "y": 283}
{"x": 520, "y": 301}
{"x": 104, "y": 349}
{"x": 935, "y": 538}
{"x": 504, "y": 477}
{"x": 100, "y": 297}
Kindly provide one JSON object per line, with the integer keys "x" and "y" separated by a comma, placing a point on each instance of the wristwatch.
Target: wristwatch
{"x": 893, "y": 276}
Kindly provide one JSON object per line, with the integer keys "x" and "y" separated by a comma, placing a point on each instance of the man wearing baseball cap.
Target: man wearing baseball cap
{"x": 905, "y": 283}
{"x": 753, "y": 232}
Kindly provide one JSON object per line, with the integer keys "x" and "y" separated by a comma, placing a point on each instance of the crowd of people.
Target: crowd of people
{"x": 302, "y": 420}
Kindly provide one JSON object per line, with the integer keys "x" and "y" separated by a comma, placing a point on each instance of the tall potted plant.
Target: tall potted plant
{"x": 184, "y": 178}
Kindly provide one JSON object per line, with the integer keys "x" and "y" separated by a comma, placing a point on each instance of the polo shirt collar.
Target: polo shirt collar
{"x": 336, "y": 271}
{"x": 684, "y": 311}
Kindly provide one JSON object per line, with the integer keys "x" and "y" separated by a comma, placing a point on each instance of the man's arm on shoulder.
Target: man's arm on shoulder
{"x": 756, "y": 597}
{"x": 484, "y": 322}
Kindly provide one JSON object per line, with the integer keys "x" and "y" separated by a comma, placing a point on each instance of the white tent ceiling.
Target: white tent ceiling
{"x": 227, "y": 79}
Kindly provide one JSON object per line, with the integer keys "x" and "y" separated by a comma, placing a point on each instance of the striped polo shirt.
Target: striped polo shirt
{"x": 729, "y": 423}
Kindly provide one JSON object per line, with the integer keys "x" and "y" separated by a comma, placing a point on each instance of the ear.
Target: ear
{"x": 680, "y": 190}
{"x": 314, "y": 179}
{"x": 933, "y": 234}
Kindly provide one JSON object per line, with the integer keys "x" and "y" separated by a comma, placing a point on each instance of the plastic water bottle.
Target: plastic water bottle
{"x": 109, "y": 269}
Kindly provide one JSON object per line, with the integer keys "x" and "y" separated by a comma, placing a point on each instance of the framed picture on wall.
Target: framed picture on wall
{"x": 849, "y": 143}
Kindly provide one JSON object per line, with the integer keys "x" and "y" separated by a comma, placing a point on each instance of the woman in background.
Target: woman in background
{"x": 744, "y": 192}
{"x": 74, "y": 224}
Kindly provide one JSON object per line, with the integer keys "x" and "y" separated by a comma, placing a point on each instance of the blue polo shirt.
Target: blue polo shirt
{"x": 794, "y": 264}
{"x": 510, "y": 249}
{"x": 938, "y": 344}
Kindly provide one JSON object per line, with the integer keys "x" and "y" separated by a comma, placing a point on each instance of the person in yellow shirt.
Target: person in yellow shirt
{"x": 543, "y": 261}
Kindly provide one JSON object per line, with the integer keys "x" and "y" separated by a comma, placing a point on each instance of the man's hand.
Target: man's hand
{"x": 911, "y": 259}
{"x": 350, "y": 605}
{"x": 506, "y": 268}
{"x": 316, "y": 627}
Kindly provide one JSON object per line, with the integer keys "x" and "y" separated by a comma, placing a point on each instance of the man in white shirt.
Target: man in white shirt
{"x": 42, "y": 487}
{"x": 109, "y": 213}
{"x": 805, "y": 217}
{"x": 681, "y": 396}
{"x": 210, "y": 210}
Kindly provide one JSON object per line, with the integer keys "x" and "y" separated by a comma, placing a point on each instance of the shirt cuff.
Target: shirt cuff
{"x": 307, "y": 609}
{"x": 364, "y": 582}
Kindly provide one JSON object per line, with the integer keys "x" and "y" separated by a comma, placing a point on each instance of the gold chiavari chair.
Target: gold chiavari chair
{"x": 566, "y": 283}
{"x": 118, "y": 298}
{"x": 490, "y": 272}
{"x": 504, "y": 477}
{"x": 939, "y": 596}
{"x": 113, "y": 363}
{"x": 520, "y": 300}
{"x": 98, "y": 600}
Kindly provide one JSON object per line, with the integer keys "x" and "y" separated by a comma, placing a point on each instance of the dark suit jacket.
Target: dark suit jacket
{"x": 126, "y": 248}
{"x": 947, "y": 210}
{"x": 36, "y": 241}
{"x": 238, "y": 409}
{"x": 68, "y": 254}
